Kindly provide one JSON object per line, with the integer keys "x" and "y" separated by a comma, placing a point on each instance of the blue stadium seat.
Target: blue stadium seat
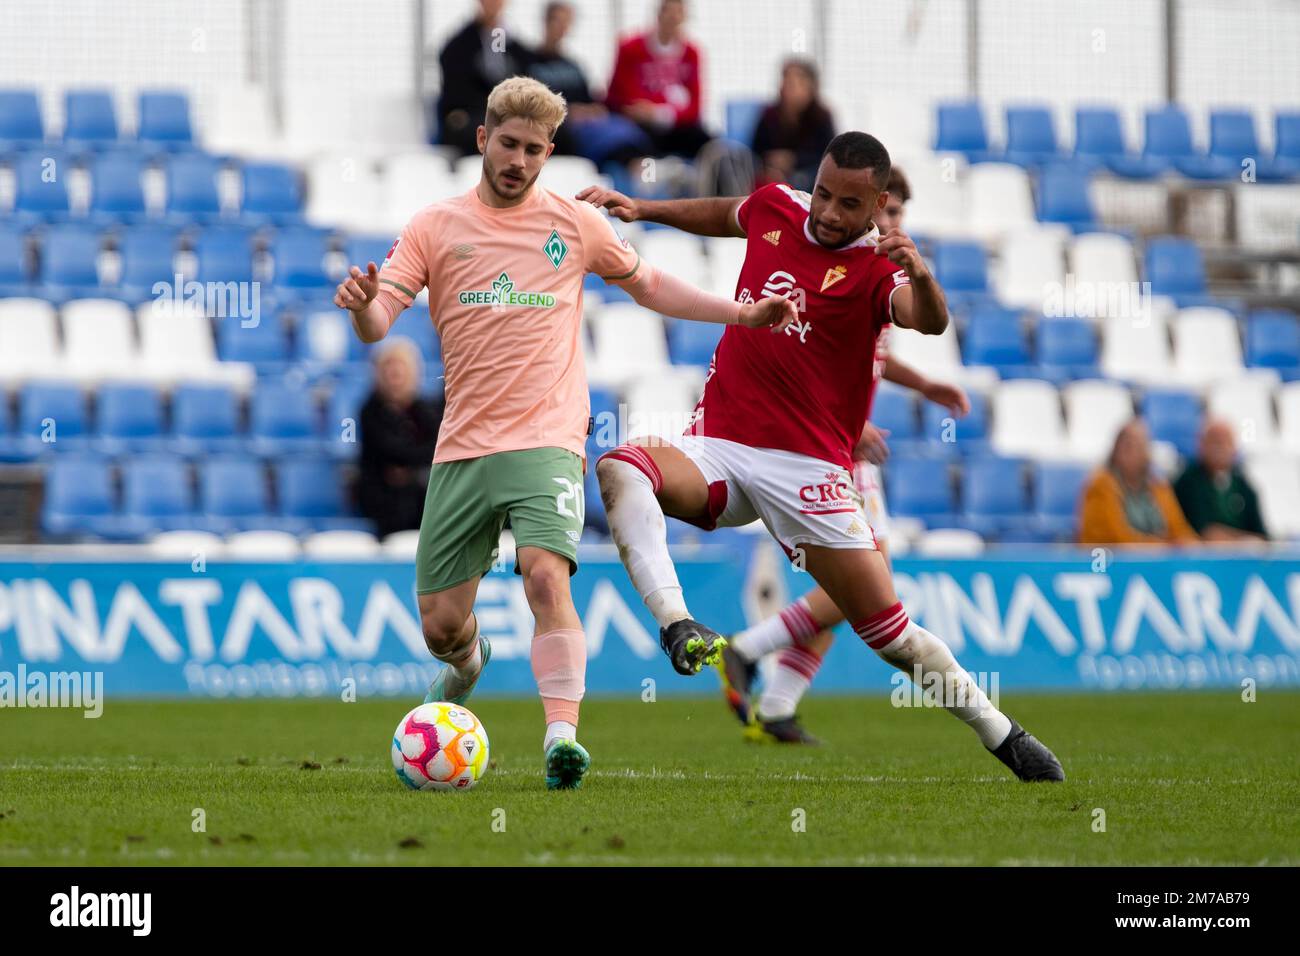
{"x": 1099, "y": 140}
{"x": 1173, "y": 416}
{"x": 1174, "y": 267}
{"x": 79, "y": 497}
{"x": 41, "y": 186}
{"x": 998, "y": 340}
{"x": 894, "y": 409}
{"x": 360, "y": 250}
{"x": 224, "y": 254}
{"x": 69, "y": 260}
{"x": 116, "y": 190}
{"x": 52, "y": 418}
{"x": 299, "y": 256}
{"x": 994, "y": 496}
{"x": 310, "y": 493}
{"x": 283, "y": 418}
{"x": 273, "y": 194}
{"x": 1169, "y": 137}
{"x": 960, "y": 129}
{"x": 742, "y": 118}
{"x": 1057, "y": 488}
{"x": 415, "y": 324}
{"x": 967, "y": 435}
{"x": 1286, "y": 136}
{"x": 605, "y": 433}
{"x": 15, "y": 268}
{"x": 921, "y": 488}
{"x": 157, "y": 495}
{"x": 147, "y": 256}
{"x": 165, "y": 121}
{"x": 1063, "y": 197}
{"x": 233, "y": 495}
{"x": 89, "y": 119}
{"x": 20, "y": 120}
{"x": 343, "y": 415}
{"x": 326, "y": 343}
{"x": 129, "y": 418}
{"x": 692, "y": 343}
{"x": 1067, "y": 349}
{"x": 1232, "y": 138}
{"x": 1031, "y": 137}
{"x": 205, "y": 418}
{"x": 265, "y": 345}
{"x": 192, "y": 188}
{"x": 962, "y": 269}
{"x": 1273, "y": 341}
{"x": 594, "y": 514}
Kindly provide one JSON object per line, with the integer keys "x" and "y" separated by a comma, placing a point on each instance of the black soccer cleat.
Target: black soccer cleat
{"x": 690, "y": 645}
{"x": 784, "y": 730}
{"x": 1028, "y": 758}
{"x": 737, "y": 675}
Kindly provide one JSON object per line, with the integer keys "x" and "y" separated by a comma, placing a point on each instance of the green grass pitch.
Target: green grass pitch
{"x": 1197, "y": 778}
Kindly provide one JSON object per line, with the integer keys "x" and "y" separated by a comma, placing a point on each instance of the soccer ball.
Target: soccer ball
{"x": 440, "y": 747}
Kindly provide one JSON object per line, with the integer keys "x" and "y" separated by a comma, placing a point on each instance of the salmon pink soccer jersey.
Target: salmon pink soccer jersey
{"x": 505, "y": 295}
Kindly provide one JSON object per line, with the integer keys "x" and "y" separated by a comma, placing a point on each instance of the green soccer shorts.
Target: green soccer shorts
{"x": 468, "y": 501}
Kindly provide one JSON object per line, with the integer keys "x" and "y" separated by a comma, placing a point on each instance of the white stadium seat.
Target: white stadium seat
{"x": 401, "y": 545}
{"x": 99, "y": 341}
{"x": 176, "y": 346}
{"x": 240, "y": 124}
{"x": 1207, "y": 345}
{"x": 1027, "y": 421}
{"x": 940, "y": 356}
{"x": 726, "y": 256}
{"x": 1277, "y": 482}
{"x": 28, "y": 339}
{"x": 1288, "y": 417}
{"x": 262, "y": 546}
{"x": 411, "y": 181}
{"x": 343, "y": 191}
{"x": 661, "y": 404}
{"x": 627, "y": 343}
{"x": 569, "y": 175}
{"x": 938, "y": 204}
{"x": 1095, "y": 411}
{"x": 1103, "y": 269}
{"x": 1031, "y": 267}
{"x": 1246, "y": 403}
{"x": 679, "y": 254}
{"x": 185, "y": 545}
{"x": 1000, "y": 201}
{"x": 950, "y": 543}
{"x": 1136, "y": 348}
{"x": 341, "y": 545}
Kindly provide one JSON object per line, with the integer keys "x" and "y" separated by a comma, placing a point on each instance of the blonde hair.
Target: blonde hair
{"x": 526, "y": 98}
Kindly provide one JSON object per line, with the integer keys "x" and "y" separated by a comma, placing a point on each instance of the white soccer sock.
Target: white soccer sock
{"x": 793, "y": 625}
{"x": 637, "y": 523}
{"x": 558, "y": 730}
{"x": 795, "y": 670}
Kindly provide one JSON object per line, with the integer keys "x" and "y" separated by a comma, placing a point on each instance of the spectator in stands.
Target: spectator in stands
{"x": 473, "y": 61}
{"x": 793, "y": 133}
{"x": 1215, "y": 496}
{"x": 590, "y": 129}
{"x": 399, "y": 429}
{"x": 1124, "y": 503}
{"x": 656, "y": 83}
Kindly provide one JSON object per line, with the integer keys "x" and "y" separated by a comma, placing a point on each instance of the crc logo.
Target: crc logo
{"x": 783, "y": 284}
{"x": 834, "y": 494}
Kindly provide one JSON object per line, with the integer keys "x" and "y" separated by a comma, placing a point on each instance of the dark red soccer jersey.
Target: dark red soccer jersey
{"x": 808, "y": 389}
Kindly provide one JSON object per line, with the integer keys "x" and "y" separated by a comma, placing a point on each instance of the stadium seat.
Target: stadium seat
{"x": 69, "y": 260}
{"x": 1174, "y": 417}
{"x": 233, "y": 495}
{"x": 1233, "y": 140}
{"x": 262, "y": 544}
{"x": 726, "y": 257}
{"x": 79, "y": 497}
{"x": 310, "y": 494}
{"x": 998, "y": 339}
{"x": 1099, "y": 139}
{"x": 1104, "y": 271}
{"x": 147, "y": 255}
{"x": 593, "y": 505}
{"x": 157, "y": 496}
{"x": 98, "y": 341}
{"x": 53, "y": 414}
{"x": 283, "y": 417}
{"x": 299, "y": 256}
{"x": 341, "y": 545}
{"x": 740, "y": 119}
{"x": 1277, "y": 482}
{"x": 995, "y": 498}
{"x": 1063, "y": 197}
{"x": 1027, "y": 421}
{"x": 678, "y": 254}
{"x": 164, "y": 121}
{"x": 1031, "y": 137}
{"x": 921, "y": 488}
{"x": 1067, "y": 349}
{"x": 205, "y": 419}
{"x": 28, "y": 339}
{"x": 938, "y": 210}
{"x": 343, "y": 192}
{"x": 192, "y": 188}
{"x": 962, "y": 270}
{"x": 1000, "y": 201}
{"x": 223, "y": 255}
{"x": 116, "y": 190}
{"x": 89, "y": 119}
{"x": 176, "y": 345}
{"x": 966, "y": 435}
{"x": 1273, "y": 341}
{"x": 185, "y": 545}
{"x": 1174, "y": 267}
{"x": 1136, "y": 350}
{"x": 41, "y": 187}
{"x": 1031, "y": 267}
{"x": 15, "y": 268}
{"x": 661, "y": 404}
{"x": 20, "y": 120}
{"x": 272, "y": 193}
{"x": 1095, "y": 410}
{"x": 239, "y": 123}
{"x": 128, "y": 419}
{"x": 950, "y": 543}
{"x": 692, "y": 343}
{"x": 1286, "y": 136}
{"x": 263, "y": 344}
{"x": 1056, "y": 491}
{"x": 343, "y": 413}
{"x": 894, "y": 410}
{"x": 627, "y": 342}
{"x": 1288, "y": 418}
{"x": 326, "y": 343}
{"x": 960, "y": 128}
{"x": 1169, "y": 137}
{"x": 1246, "y": 403}
{"x": 1207, "y": 345}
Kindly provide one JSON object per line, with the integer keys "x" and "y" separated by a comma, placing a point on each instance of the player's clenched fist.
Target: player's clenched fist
{"x": 775, "y": 312}
{"x": 899, "y": 248}
{"x": 358, "y": 289}
{"x": 624, "y": 207}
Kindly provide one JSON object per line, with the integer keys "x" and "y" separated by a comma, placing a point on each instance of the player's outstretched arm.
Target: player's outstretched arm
{"x": 951, "y": 397}
{"x": 921, "y": 304}
{"x": 372, "y": 317}
{"x": 668, "y": 295}
{"x": 704, "y": 217}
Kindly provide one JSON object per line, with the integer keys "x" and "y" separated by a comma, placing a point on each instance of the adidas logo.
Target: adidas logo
{"x": 774, "y": 237}
{"x": 854, "y": 528}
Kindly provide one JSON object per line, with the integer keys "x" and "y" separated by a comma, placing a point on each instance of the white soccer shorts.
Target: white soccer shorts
{"x": 866, "y": 478}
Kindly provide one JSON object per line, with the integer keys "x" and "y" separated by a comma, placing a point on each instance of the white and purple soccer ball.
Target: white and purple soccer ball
{"x": 440, "y": 747}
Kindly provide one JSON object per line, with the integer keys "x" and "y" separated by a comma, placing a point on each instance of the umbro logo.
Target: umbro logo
{"x": 462, "y": 250}
{"x": 774, "y": 237}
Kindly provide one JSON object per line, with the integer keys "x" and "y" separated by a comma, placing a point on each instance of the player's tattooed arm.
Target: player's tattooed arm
{"x": 715, "y": 216}
{"x": 920, "y": 304}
